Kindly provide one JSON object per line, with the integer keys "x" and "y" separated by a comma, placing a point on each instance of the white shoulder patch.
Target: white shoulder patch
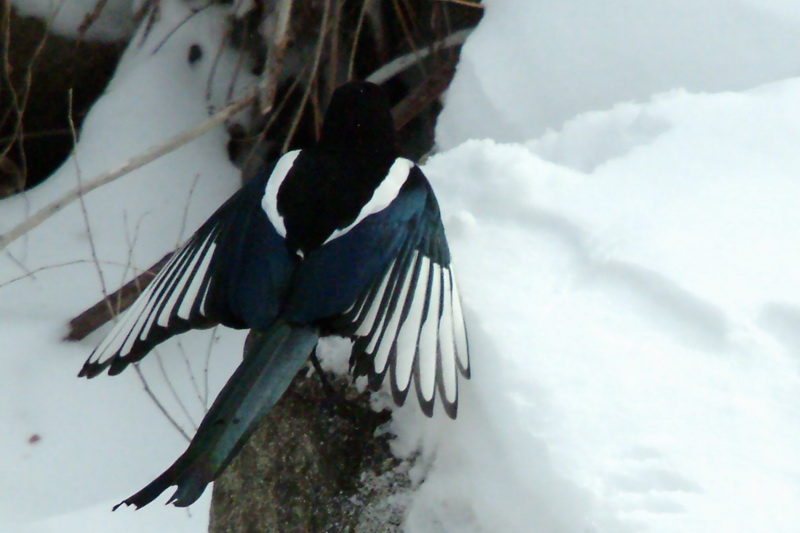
{"x": 269, "y": 203}
{"x": 384, "y": 194}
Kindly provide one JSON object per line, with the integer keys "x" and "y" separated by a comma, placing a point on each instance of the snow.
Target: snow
{"x": 98, "y": 440}
{"x": 620, "y": 199}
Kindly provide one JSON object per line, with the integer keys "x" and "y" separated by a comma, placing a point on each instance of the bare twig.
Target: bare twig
{"x": 192, "y": 13}
{"x": 312, "y": 76}
{"x": 332, "y": 50}
{"x": 82, "y": 201}
{"x": 87, "y": 322}
{"x": 32, "y": 273}
{"x": 172, "y": 390}
{"x": 160, "y": 407}
{"x": 400, "y": 64}
{"x": 185, "y": 215}
{"x": 401, "y": 17}
{"x": 91, "y": 17}
{"x": 275, "y": 53}
{"x": 129, "y": 266}
{"x": 210, "y": 348}
{"x": 466, "y": 3}
{"x": 190, "y": 372}
{"x": 359, "y": 26}
{"x": 19, "y": 104}
{"x": 423, "y": 94}
{"x": 132, "y": 164}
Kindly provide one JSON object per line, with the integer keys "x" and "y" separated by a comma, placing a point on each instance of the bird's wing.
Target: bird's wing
{"x": 210, "y": 280}
{"x": 391, "y": 283}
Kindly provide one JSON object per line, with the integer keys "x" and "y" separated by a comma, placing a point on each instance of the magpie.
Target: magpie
{"x": 341, "y": 238}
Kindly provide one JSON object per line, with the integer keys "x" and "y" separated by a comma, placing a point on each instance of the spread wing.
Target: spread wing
{"x": 397, "y": 297}
{"x": 210, "y": 280}
{"x": 411, "y": 324}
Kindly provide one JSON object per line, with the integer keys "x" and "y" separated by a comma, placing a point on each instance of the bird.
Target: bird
{"x": 344, "y": 237}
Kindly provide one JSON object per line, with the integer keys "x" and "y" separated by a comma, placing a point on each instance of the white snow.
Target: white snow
{"x": 99, "y": 440}
{"x": 625, "y": 228}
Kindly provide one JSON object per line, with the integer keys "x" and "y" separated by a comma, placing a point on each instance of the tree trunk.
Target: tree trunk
{"x": 313, "y": 466}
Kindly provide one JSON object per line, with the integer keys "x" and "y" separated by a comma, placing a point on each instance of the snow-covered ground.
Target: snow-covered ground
{"x": 625, "y": 227}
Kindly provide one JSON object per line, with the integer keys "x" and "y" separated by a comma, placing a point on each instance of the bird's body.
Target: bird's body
{"x": 341, "y": 238}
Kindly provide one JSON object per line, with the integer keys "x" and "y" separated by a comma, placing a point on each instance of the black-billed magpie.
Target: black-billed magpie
{"x": 342, "y": 238}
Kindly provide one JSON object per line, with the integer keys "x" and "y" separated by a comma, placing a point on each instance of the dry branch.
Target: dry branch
{"x": 87, "y": 322}
{"x": 277, "y": 49}
{"x": 134, "y": 163}
{"x": 392, "y": 69}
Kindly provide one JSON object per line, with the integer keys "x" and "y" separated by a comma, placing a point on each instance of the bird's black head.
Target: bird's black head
{"x": 330, "y": 184}
{"x": 358, "y": 124}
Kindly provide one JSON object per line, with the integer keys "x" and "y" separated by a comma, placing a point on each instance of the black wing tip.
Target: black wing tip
{"x": 115, "y": 365}
{"x": 187, "y": 493}
{"x": 361, "y": 365}
{"x": 127, "y": 503}
{"x": 118, "y": 364}
{"x": 90, "y": 370}
{"x": 466, "y": 370}
{"x": 120, "y": 504}
{"x": 451, "y": 408}
{"x": 398, "y": 395}
{"x": 425, "y": 404}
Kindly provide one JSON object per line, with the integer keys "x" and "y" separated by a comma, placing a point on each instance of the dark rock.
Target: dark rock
{"x": 314, "y": 465}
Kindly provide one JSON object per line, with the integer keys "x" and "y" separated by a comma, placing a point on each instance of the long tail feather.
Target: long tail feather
{"x": 266, "y": 372}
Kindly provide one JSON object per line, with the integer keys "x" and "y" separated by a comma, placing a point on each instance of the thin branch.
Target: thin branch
{"x": 425, "y": 93}
{"x": 275, "y": 53}
{"x": 159, "y": 405}
{"x": 87, "y": 322}
{"x": 190, "y": 373}
{"x": 32, "y": 273}
{"x": 212, "y": 339}
{"x": 359, "y": 26}
{"x": 82, "y": 201}
{"x": 390, "y": 70}
{"x": 91, "y": 18}
{"x": 312, "y": 76}
{"x": 129, "y": 166}
{"x": 185, "y": 216}
{"x": 404, "y": 25}
{"x": 332, "y": 50}
{"x": 129, "y": 266}
{"x": 193, "y": 12}
{"x": 19, "y": 105}
{"x": 466, "y": 3}
{"x": 172, "y": 390}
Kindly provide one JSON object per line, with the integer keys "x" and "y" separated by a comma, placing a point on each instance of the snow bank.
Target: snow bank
{"x": 71, "y": 444}
{"x": 628, "y": 263}
{"x": 629, "y": 271}
{"x": 531, "y": 66}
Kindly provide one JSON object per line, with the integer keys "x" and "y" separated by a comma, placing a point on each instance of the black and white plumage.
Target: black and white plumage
{"x": 342, "y": 238}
